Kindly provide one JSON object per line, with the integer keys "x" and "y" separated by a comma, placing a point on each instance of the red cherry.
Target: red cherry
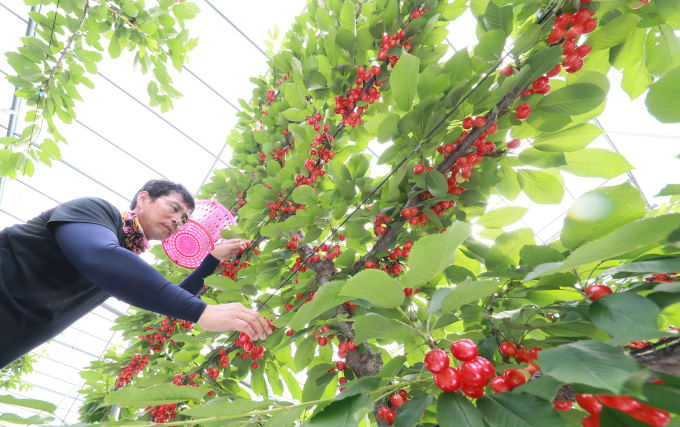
{"x": 341, "y": 237}
{"x": 419, "y": 168}
{"x": 323, "y": 341}
{"x": 533, "y": 368}
{"x": 597, "y": 291}
{"x": 340, "y": 365}
{"x": 508, "y": 348}
{"x": 473, "y": 374}
{"x": 508, "y": 70}
{"x": 652, "y": 416}
{"x": 533, "y": 353}
{"x": 416, "y": 14}
{"x": 464, "y": 350}
{"x": 468, "y": 122}
{"x": 222, "y": 352}
{"x": 397, "y": 400}
{"x": 589, "y": 403}
{"x": 406, "y": 213}
{"x": 583, "y": 50}
{"x": 511, "y": 145}
{"x": 580, "y": 16}
{"x": 554, "y": 72}
{"x": 390, "y": 416}
{"x": 383, "y": 409}
{"x": 576, "y": 67}
{"x": 523, "y": 356}
{"x": 480, "y": 121}
{"x": 563, "y": 405}
{"x": 622, "y": 403}
{"x": 556, "y": 35}
{"x": 540, "y": 83}
{"x": 515, "y": 377}
{"x": 574, "y": 32}
{"x": 447, "y": 379}
{"x": 255, "y": 365}
{"x": 644, "y": 2}
{"x": 290, "y": 332}
{"x": 545, "y": 90}
{"x": 591, "y": 421}
{"x": 563, "y": 20}
{"x": 436, "y": 361}
{"x": 589, "y": 25}
{"x": 473, "y": 392}
{"x": 523, "y": 113}
{"x": 501, "y": 385}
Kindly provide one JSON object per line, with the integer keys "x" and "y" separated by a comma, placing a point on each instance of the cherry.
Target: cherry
{"x": 574, "y": 32}
{"x": 323, "y": 341}
{"x": 390, "y": 416}
{"x": 556, "y": 35}
{"x": 290, "y": 332}
{"x": 255, "y": 365}
{"x": 403, "y": 394}
{"x": 448, "y": 379}
{"x": 580, "y": 16}
{"x": 622, "y": 403}
{"x": 473, "y": 392}
{"x": 591, "y": 421}
{"x": 533, "y": 368}
{"x": 563, "y": 405}
{"x": 589, "y": 403}
{"x": 652, "y": 416}
{"x": 515, "y": 377}
{"x": 501, "y": 385}
{"x": 480, "y": 121}
{"x": 222, "y": 352}
{"x": 576, "y": 67}
{"x": 533, "y": 353}
{"x": 597, "y": 291}
{"x": 473, "y": 374}
{"x": 416, "y": 14}
{"x": 508, "y": 70}
{"x": 545, "y": 90}
{"x": 523, "y": 356}
{"x": 419, "y": 168}
{"x": 540, "y": 83}
{"x": 554, "y": 72}
{"x": 406, "y": 213}
{"x": 397, "y": 400}
{"x": 523, "y": 111}
{"x": 340, "y": 365}
{"x": 436, "y": 361}
{"x": 464, "y": 350}
{"x": 382, "y": 412}
{"x": 342, "y": 380}
{"x": 644, "y": 2}
{"x": 563, "y": 20}
{"x": 512, "y": 145}
{"x": 583, "y": 50}
{"x": 211, "y": 392}
{"x": 589, "y": 25}
{"x": 341, "y": 237}
{"x": 508, "y": 348}
{"x": 468, "y": 122}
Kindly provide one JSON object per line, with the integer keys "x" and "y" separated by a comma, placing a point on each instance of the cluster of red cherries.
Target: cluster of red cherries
{"x": 163, "y": 413}
{"x": 283, "y": 206}
{"x": 638, "y": 410}
{"x": 379, "y": 229}
{"x": 178, "y": 380}
{"x": 251, "y": 350}
{"x": 280, "y": 81}
{"x": 471, "y": 376}
{"x": 164, "y": 332}
{"x": 581, "y": 22}
{"x": 661, "y": 277}
{"x": 512, "y": 378}
{"x": 345, "y": 106}
{"x": 231, "y": 268}
{"x": 135, "y": 366}
{"x": 390, "y": 263}
{"x": 397, "y": 400}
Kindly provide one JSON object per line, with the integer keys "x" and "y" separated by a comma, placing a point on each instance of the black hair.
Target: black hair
{"x": 163, "y": 187}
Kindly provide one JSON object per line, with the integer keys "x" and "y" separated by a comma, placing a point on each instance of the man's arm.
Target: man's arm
{"x": 94, "y": 250}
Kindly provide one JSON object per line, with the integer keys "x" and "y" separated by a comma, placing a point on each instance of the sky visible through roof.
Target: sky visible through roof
{"x": 118, "y": 143}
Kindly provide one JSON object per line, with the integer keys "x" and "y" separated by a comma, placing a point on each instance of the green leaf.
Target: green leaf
{"x": 662, "y": 396}
{"x": 156, "y": 395}
{"x": 454, "y": 410}
{"x": 533, "y": 255}
{"x": 526, "y": 40}
{"x": 404, "y": 81}
{"x": 376, "y": 326}
{"x": 314, "y": 80}
{"x": 518, "y": 410}
{"x": 285, "y": 418}
{"x": 509, "y": 185}
{"x": 459, "y": 66}
{"x": 596, "y": 162}
{"x": 33, "y": 419}
{"x": 615, "y": 32}
{"x": 541, "y": 159}
{"x": 436, "y": 183}
{"x": 591, "y": 363}
{"x": 304, "y": 353}
{"x": 626, "y": 316}
{"x": 663, "y": 99}
{"x": 544, "y": 387}
{"x": 541, "y": 187}
{"x": 411, "y": 411}
{"x": 662, "y": 50}
{"x": 610, "y": 417}
{"x": 499, "y": 18}
{"x": 669, "y": 190}
{"x": 666, "y": 265}
{"x": 114, "y": 46}
{"x": 362, "y": 385}
{"x": 431, "y": 254}
{"x": 388, "y": 128}
{"x": 601, "y": 211}
{"x": 636, "y": 80}
{"x": 28, "y": 403}
{"x": 295, "y": 97}
{"x": 502, "y": 217}
{"x": 327, "y": 297}
{"x": 237, "y": 407}
{"x": 468, "y": 292}
{"x": 347, "y": 20}
{"x": 342, "y": 413}
{"x": 305, "y": 195}
{"x": 375, "y": 286}
{"x": 571, "y": 139}
{"x": 490, "y": 47}
{"x": 506, "y": 248}
{"x": 641, "y": 234}
{"x": 572, "y": 100}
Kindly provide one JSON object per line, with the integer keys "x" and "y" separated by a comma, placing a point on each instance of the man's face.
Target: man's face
{"x": 161, "y": 218}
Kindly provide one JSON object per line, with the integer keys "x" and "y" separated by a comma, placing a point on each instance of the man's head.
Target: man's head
{"x": 162, "y": 207}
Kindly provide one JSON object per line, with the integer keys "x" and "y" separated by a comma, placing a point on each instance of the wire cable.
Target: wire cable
{"x": 237, "y": 29}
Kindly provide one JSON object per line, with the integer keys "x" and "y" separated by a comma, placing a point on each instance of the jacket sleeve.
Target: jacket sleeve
{"x": 94, "y": 250}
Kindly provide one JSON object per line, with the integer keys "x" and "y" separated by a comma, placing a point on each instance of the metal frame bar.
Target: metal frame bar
{"x": 237, "y": 28}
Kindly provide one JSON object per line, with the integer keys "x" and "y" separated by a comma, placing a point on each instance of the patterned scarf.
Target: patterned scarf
{"x": 135, "y": 240}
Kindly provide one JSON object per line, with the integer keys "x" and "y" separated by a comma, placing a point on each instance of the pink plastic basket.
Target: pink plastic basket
{"x": 193, "y": 242}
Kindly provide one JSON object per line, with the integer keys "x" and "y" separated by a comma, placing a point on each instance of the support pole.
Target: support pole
{"x": 16, "y": 101}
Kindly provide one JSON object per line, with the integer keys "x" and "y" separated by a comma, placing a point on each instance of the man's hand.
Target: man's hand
{"x": 228, "y": 249}
{"x": 234, "y": 317}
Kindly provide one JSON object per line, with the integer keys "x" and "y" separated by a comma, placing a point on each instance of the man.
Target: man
{"x": 68, "y": 260}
